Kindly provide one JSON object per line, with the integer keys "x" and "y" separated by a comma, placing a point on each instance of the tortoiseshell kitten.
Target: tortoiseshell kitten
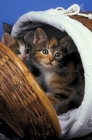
{"x": 61, "y": 66}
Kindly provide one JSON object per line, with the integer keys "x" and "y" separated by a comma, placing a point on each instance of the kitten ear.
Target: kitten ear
{"x": 29, "y": 37}
{"x": 7, "y": 39}
{"x": 66, "y": 42}
{"x": 7, "y": 27}
{"x": 39, "y": 36}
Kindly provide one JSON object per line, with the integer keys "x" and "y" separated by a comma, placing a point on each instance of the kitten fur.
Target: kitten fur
{"x": 61, "y": 66}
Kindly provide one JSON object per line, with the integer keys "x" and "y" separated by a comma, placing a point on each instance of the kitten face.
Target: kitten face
{"x": 18, "y": 46}
{"x": 21, "y": 49}
{"x": 47, "y": 53}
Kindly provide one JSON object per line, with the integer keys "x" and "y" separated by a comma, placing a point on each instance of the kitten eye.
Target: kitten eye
{"x": 45, "y": 51}
{"x": 62, "y": 95}
{"x": 27, "y": 51}
{"x": 17, "y": 52}
{"x": 57, "y": 54}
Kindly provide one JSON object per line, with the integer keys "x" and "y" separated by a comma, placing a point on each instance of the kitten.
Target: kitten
{"x": 62, "y": 70}
{"x": 22, "y": 49}
{"x": 18, "y": 46}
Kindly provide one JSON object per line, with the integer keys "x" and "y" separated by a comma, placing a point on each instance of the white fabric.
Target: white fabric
{"x": 74, "y": 10}
{"x": 78, "y": 122}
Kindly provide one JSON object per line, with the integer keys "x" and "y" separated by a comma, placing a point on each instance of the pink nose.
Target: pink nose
{"x": 24, "y": 57}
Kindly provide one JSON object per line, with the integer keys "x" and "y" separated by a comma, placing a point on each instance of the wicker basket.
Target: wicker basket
{"x": 23, "y": 104}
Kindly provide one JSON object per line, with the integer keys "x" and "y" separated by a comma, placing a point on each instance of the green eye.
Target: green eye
{"x": 17, "y": 52}
{"x": 57, "y": 54}
{"x": 45, "y": 51}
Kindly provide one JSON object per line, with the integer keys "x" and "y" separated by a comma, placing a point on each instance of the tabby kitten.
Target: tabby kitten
{"x": 18, "y": 46}
{"x": 61, "y": 66}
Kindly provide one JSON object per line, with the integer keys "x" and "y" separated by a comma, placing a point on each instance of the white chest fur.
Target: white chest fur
{"x": 48, "y": 74}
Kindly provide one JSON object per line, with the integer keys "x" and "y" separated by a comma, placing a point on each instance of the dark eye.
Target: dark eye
{"x": 17, "y": 52}
{"x": 61, "y": 95}
{"x": 45, "y": 51}
{"x": 27, "y": 51}
{"x": 57, "y": 54}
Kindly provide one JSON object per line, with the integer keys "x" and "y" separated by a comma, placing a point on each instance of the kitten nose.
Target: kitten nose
{"x": 24, "y": 57}
{"x": 51, "y": 59}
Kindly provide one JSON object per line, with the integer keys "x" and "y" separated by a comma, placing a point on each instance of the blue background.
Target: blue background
{"x": 11, "y": 10}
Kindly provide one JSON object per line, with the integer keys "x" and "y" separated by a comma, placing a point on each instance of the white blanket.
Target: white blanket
{"x": 78, "y": 122}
